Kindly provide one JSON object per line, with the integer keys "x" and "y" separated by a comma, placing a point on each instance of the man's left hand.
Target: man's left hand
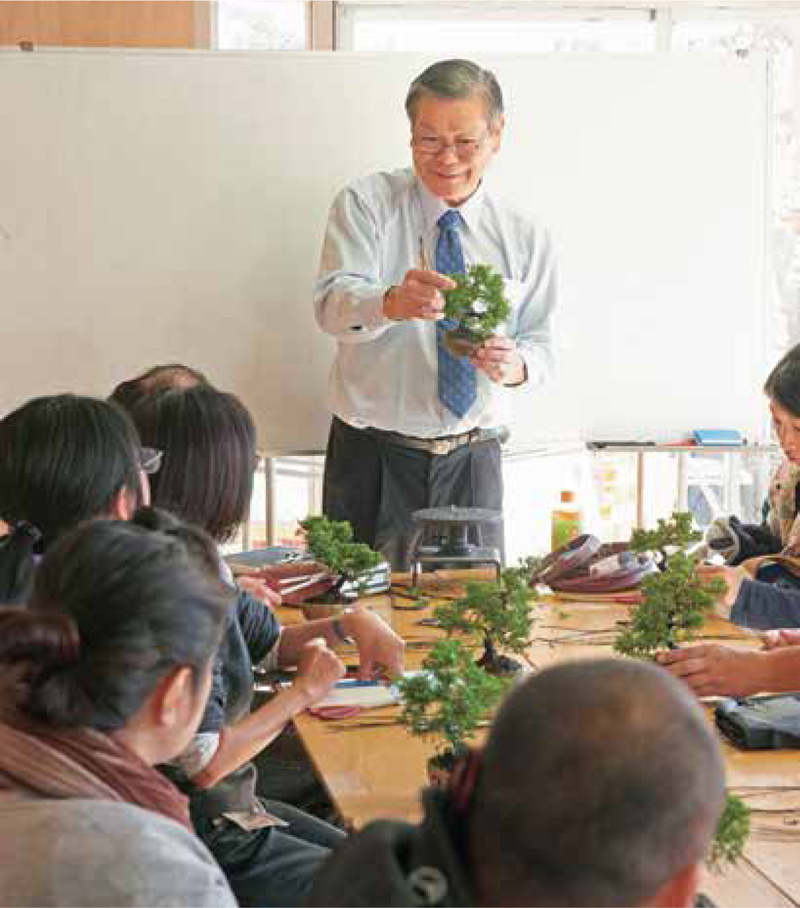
{"x": 499, "y": 359}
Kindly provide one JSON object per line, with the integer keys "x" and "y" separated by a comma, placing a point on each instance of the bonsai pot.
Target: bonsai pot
{"x": 327, "y": 605}
{"x": 500, "y": 666}
{"x": 461, "y": 342}
{"x": 440, "y": 768}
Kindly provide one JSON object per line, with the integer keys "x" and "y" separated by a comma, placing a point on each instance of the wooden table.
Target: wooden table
{"x": 378, "y": 772}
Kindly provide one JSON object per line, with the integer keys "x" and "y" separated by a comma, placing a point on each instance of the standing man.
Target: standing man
{"x": 413, "y": 426}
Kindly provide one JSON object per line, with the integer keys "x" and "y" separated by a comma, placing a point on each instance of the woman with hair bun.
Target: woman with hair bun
{"x": 103, "y": 676}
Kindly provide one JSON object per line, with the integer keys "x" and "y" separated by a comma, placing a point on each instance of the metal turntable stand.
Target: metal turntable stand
{"x": 442, "y": 537}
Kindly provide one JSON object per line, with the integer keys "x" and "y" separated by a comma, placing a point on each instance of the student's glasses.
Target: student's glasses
{"x": 150, "y": 460}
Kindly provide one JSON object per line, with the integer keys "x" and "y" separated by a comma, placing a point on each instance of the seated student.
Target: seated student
{"x": 208, "y": 443}
{"x": 175, "y": 375}
{"x": 105, "y": 674}
{"x": 600, "y": 784}
{"x": 63, "y": 459}
{"x": 768, "y": 602}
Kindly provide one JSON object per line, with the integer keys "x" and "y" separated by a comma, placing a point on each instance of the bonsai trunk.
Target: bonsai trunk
{"x": 495, "y": 663}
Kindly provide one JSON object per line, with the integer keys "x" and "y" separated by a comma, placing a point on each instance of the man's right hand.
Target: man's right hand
{"x": 318, "y": 670}
{"x": 419, "y": 296}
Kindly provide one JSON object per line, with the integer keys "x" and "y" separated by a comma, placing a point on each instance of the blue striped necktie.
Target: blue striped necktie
{"x": 457, "y": 380}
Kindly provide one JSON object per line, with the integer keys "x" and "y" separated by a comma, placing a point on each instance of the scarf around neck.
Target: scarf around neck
{"x": 42, "y": 762}
{"x": 783, "y": 518}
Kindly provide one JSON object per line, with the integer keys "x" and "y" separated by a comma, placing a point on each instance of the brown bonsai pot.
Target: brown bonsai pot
{"x": 461, "y": 342}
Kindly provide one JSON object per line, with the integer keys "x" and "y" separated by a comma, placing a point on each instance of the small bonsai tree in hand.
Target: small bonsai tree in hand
{"x": 675, "y": 600}
{"x": 500, "y": 611}
{"x": 477, "y": 303}
{"x": 448, "y": 701}
{"x": 675, "y": 604}
{"x": 331, "y": 543}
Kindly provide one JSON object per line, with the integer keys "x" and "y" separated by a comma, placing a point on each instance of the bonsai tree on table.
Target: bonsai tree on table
{"x": 447, "y": 701}
{"x": 674, "y": 606}
{"x": 668, "y": 537}
{"x": 331, "y": 543}
{"x": 478, "y": 305}
{"x": 500, "y": 611}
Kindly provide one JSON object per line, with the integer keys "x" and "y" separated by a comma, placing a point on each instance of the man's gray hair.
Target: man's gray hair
{"x": 457, "y": 79}
{"x": 601, "y": 781}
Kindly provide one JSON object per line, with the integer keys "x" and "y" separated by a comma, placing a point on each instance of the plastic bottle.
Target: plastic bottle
{"x": 566, "y": 521}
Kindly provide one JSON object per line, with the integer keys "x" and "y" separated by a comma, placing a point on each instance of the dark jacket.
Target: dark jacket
{"x": 757, "y": 538}
{"x": 391, "y": 863}
{"x": 763, "y": 605}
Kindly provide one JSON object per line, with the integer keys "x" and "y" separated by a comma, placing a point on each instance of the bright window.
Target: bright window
{"x": 258, "y": 25}
{"x": 518, "y": 28}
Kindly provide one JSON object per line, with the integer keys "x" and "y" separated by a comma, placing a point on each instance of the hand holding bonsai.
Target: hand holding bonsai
{"x": 713, "y": 670}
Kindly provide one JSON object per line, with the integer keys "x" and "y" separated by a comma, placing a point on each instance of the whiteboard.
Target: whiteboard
{"x": 159, "y": 206}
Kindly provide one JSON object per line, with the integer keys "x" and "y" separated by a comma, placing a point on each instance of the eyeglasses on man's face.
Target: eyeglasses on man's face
{"x": 150, "y": 460}
{"x": 463, "y": 147}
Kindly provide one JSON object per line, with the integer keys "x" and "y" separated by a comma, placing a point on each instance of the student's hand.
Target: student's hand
{"x": 318, "y": 670}
{"x": 380, "y": 650}
{"x": 499, "y": 359}
{"x": 419, "y": 296}
{"x": 732, "y": 577}
{"x": 713, "y": 670}
{"x": 782, "y": 636}
{"x": 260, "y": 590}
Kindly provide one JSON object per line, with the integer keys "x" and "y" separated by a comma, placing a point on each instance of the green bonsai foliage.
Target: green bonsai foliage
{"x": 500, "y": 611}
{"x": 669, "y": 535}
{"x": 477, "y": 303}
{"x": 331, "y": 543}
{"x": 676, "y": 600}
{"x": 450, "y": 699}
{"x": 675, "y": 603}
{"x": 731, "y": 835}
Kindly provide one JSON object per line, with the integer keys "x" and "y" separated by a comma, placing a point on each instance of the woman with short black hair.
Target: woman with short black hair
{"x": 63, "y": 459}
{"x": 104, "y": 675}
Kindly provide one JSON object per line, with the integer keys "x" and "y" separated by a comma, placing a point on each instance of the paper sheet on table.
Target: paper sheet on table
{"x": 352, "y": 693}
{"x": 364, "y": 695}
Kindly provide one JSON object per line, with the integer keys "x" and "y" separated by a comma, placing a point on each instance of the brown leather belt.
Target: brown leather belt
{"x": 443, "y": 445}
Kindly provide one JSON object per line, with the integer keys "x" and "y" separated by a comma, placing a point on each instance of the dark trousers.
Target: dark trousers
{"x": 275, "y": 865}
{"x": 376, "y": 485}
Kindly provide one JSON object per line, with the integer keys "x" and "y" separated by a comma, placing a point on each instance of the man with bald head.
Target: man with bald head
{"x": 600, "y": 784}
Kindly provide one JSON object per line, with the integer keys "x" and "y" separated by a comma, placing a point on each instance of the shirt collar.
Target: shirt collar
{"x": 433, "y": 207}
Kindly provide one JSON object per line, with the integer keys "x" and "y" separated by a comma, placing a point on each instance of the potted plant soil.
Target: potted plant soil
{"x": 675, "y": 603}
{"x": 330, "y": 542}
{"x": 477, "y": 305}
{"x": 447, "y": 701}
{"x": 501, "y": 612}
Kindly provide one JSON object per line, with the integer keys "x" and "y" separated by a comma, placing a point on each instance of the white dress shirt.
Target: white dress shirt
{"x": 385, "y": 372}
